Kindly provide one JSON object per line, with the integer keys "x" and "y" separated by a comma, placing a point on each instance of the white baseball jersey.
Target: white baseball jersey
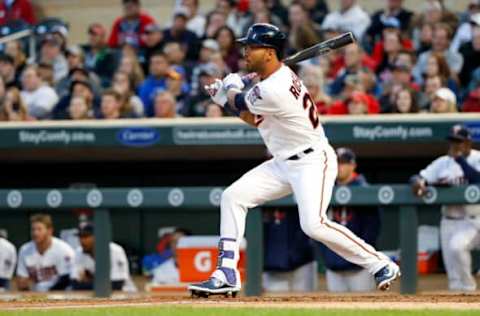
{"x": 8, "y": 259}
{"x": 445, "y": 170}
{"x": 286, "y": 115}
{"x": 84, "y": 262}
{"x": 45, "y": 269}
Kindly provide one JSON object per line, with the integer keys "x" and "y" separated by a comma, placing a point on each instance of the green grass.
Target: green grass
{"x": 189, "y": 311}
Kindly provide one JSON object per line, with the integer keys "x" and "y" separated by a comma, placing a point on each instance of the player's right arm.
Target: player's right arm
{"x": 429, "y": 175}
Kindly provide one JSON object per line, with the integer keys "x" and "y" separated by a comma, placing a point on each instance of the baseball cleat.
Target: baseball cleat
{"x": 213, "y": 286}
{"x": 386, "y": 275}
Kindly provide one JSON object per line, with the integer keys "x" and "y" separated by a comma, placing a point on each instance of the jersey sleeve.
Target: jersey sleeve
{"x": 76, "y": 267}
{"x": 65, "y": 260}
{"x": 22, "y": 266}
{"x": 261, "y": 101}
{"x": 12, "y": 258}
{"x": 119, "y": 268}
{"x": 430, "y": 173}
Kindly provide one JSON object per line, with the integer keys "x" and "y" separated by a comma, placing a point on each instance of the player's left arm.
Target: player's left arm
{"x": 472, "y": 174}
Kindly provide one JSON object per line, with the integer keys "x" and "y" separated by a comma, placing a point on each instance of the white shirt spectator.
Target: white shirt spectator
{"x": 40, "y": 102}
{"x": 354, "y": 19}
{"x": 8, "y": 259}
{"x": 85, "y": 263}
{"x": 197, "y": 25}
{"x": 45, "y": 269}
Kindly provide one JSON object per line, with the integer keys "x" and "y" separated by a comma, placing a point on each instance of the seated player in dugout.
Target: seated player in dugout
{"x": 363, "y": 221}
{"x": 8, "y": 260}
{"x": 460, "y": 224}
{"x": 83, "y": 271}
{"x": 45, "y": 262}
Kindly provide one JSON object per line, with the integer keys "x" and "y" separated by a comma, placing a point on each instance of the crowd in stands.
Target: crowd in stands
{"x": 403, "y": 62}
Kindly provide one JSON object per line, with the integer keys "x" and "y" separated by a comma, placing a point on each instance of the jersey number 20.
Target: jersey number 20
{"x": 309, "y": 105}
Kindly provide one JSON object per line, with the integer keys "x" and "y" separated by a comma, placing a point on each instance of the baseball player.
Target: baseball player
{"x": 8, "y": 259}
{"x": 83, "y": 270}
{"x": 460, "y": 224}
{"x": 45, "y": 263}
{"x": 303, "y": 163}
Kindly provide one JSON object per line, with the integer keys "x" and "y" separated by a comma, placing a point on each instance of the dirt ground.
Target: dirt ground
{"x": 432, "y": 295}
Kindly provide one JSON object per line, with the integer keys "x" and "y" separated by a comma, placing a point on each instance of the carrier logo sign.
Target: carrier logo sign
{"x": 138, "y": 136}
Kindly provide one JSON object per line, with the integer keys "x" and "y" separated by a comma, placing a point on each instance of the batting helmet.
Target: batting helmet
{"x": 265, "y": 35}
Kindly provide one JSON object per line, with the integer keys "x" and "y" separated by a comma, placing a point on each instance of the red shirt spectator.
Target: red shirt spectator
{"x": 129, "y": 28}
{"x": 371, "y": 105}
{"x": 17, "y": 10}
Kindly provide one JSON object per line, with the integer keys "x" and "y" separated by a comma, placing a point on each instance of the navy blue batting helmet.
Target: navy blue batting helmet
{"x": 265, "y": 35}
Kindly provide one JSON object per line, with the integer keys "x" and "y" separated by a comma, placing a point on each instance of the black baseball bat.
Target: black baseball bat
{"x": 321, "y": 48}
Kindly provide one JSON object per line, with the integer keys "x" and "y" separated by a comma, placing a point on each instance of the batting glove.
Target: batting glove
{"x": 233, "y": 81}
{"x": 217, "y": 92}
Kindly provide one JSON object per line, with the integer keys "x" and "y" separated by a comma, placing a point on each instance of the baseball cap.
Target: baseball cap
{"x": 181, "y": 11}
{"x": 74, "y": 50}
{"x": 390, "y": 22}
{"x": 152, "y": 27}
{"x": 96, "y": 29}
{"x": 475, "y": 19}
{"x": 346, "y": 155}
{"x": 446, "y": 95}
{"x": 458, "y": 132}
{"x": 85, "y": 229}
{"x": 209, "y": 69}
{"x": 211, "y": 44}
{"x": 50, "y": 39}
{"x": 60, "y": 29}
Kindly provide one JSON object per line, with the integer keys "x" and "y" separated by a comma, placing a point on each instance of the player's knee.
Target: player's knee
{"x": 457, "y": 246}
{"x": 230, "y": 196}
{"x": 310, "y": 228}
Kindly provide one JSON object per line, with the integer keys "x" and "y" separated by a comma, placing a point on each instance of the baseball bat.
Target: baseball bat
{"x": 319, "y": 49}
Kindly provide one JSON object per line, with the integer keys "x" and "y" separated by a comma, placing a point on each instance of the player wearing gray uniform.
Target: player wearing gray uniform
{"x": 45, "y": 263}
{"x": 460, "y": 224}
{"x": 303, "y": 163}
{"x": 8, "y": 259}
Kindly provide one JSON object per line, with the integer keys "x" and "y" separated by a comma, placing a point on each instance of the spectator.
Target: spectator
{"x": 51, "y": 52}
{"x": 196, "y": 104}
{"x": 83, "y": 271}
{"x": 276, "y": 8}
{"x": 128, "y": 28}
{"x": 123, "y": 84}
{"x": 77, "y": 74}
{"x": 440, "y": 44}
{"x": 209, "y": 47}
{"x": 8, "y": 71}
{"x": 215, "y": 20}
{"x": 78, "y": 88}
{"x": 155, "y": 82}
{"x": 213, "y": 110}
{"x": 433, "y": 13}
{"x": 196, "y": 22}
{"x": 313, "y": 79}
{"x": 444, "y": 101}
{"x": 464, "y": 31}
{"x": 400, "y": 77}
{"x": 432, "y": 84}
{"x": 15, "y": 50}
{"x": 8, "y": 260}
{"x": 394, "y": 12}
{"x": 350, "y": 17}
{"x": 165, "y": 105}
{"x": 437, "y": 66}
{"x": 3, "y": 90}
{"x": 256, "y": 7}
{"x": 99, "y": 58}
{"x": 45, "y": 71}
{"x": 79, "y": 109}
{"x": 153, "y": 39}
{"x": 17, "y": 10}
{"x": 236, "y": 14}
{"x": 354, "y": 59}
{"x": 60, "y": 33}
{"x": 360, "y": 104}
{"x": 471, "y": 57}
{"x": 14, "y": 109}
{"x": 405, "y": 101}
{"x": 176, "y": 58}
{"x": 39, "y": 98}
{"x": 131, "y": 66}
{"x": 341, "y": 275}
{"x": 458, "y": 227}
{"x": 302, "y": 32}
{"x": 178, "y": 33}
{"x": 226, "y": 41}
{"x": 45, "y": 263}
{"x": 114, "y": 107}
{"x": 317, "y": 9}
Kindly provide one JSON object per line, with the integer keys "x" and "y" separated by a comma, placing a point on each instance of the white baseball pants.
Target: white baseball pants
{"x": 311, "y": 180}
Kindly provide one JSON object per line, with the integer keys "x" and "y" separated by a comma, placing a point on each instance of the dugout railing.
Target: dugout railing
{"x": 102, "y": 200}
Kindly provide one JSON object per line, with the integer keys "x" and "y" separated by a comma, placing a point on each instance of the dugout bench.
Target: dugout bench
{"x": 194, "y": 198}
